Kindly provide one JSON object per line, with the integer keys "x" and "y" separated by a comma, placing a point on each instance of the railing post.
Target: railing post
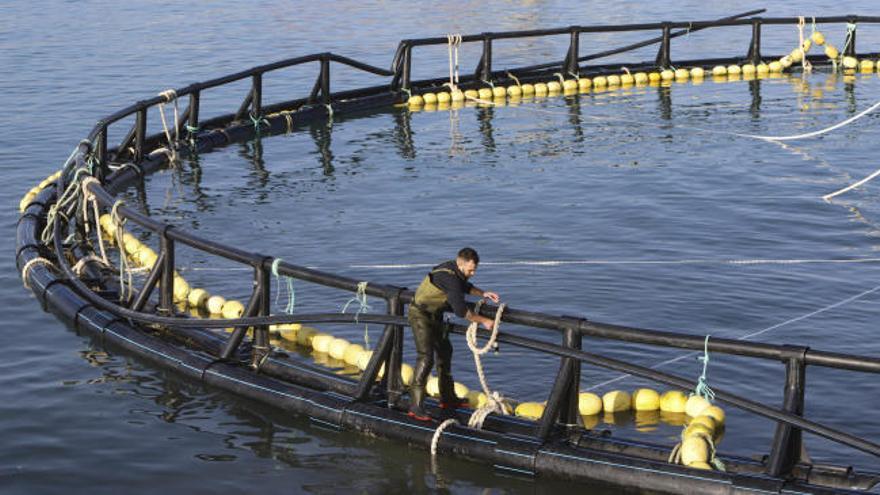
{"x": 194, "y": 98}
{"x": 407, "y": 67}
{"x": 562, "y": 405}
{"x": 263, "y": 286}
{"x": 571, "y": 60}
{"x": 101, "y": 153}
{"x": 140, "y": 134}
{"x": 166, "y": 290}
{"x": 664, "y": 57}
{"x": 484, "y": 72}
{"x": 850, "y": 50}
{"x": 788, "y": 441}
{"x": 754, "y": 55}
{"x": 257, "y": 95}
{"x": 392, "y": 368}
{"x": 152, "y": 279}
{"x": 325, "y": 79}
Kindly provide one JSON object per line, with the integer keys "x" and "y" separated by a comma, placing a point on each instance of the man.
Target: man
{"x": 442, "y": 289}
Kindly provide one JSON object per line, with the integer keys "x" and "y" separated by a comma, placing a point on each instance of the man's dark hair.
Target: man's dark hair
{"x": 469, "y": 254}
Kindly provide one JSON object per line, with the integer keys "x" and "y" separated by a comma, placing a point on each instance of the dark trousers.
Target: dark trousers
{"x": 431, "y": 339}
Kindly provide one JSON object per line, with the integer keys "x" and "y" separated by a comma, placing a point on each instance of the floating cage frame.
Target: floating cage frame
{"x": 152, "y": 328}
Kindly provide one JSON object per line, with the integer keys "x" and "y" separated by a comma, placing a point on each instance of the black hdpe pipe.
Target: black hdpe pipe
{"x": 613, "y": 364}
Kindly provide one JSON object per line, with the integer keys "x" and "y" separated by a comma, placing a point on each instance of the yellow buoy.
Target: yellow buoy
{"x": 866, "y": 65}
{"x": 613, "y": 80}
{"x": 646, "y": 399}
{"x": 528, "y": 89}
{"x": 540, "y": 89}
{"x": 146, "y": 257}
{"x": 457, "y": 95}
{"x": 850, "y": 62}
{"x": 406, "y": 374}
{"x": 682, "y": 74}
{"x": 762, "y": 69}
{"x": 734, "y": 70}
{"x": 807, "y": 45}
{"x": 289, "y": 331}
{"x": 719, "y": 70}
{"x": 654, "y": 77}
{"x": 499, "y": 92}
{"x": 616, "y": 401}
{"x": 673, "y": 401}
{"x": 180, "y": 289}
{"x": 570, "y": 85}
{"x": 667, "y": 75}
{"x": 584, "y": 83}
{"x": 433, "y": 386}
{"x": 473, "y": 398}
{"x": 198, "y": 297}
{"x": 352, "y": 353}
{"x": 697, "y": 429}
{"x": 514, "y": 91}
{"x": 796, "y": 55}
{"x": 700, "y": 465}
{"x": 416, "y": 101}
{"x": 321, "y": 342}
{"x": 589, "y": 404}
{"x": 337, "y": 348}
{"x": 554, "y": 87}
{"x": 461, "y": 390}
{"x": 748, "y": 69}
{"x": 627, "y": 79}
{"x": 600, "y": 82}
{"x": 641, "y": 77}
{"x": 472, "y": 93}
{"x": 817, "y": 37}
{"x": 698, "y": 73}
{"x": 696, "y": 405}
{"x": 430, "y": 98}
{"x": 443, "y": 97}
{"x": 705, "y": 420}
{"x": 215, "y": 304}
{"x": 485, "y": 93}
{"x": 530, "y": 410}
{"x": 305, "y": 335}
{"x": 716, "y": 413}
{"x": 232, "y": 309}
{"x": 786, "y": 62}
{"x": 775, "y": 66}
{"x": 831, "y": 51}
{"x": 694, "y": 449}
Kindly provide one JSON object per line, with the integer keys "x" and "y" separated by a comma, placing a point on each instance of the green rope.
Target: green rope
{"x": 258, "y": 120}
{"x": 702, "y": 389}
{"x": 291, "y": 294}
{"x": 363, "y": 307}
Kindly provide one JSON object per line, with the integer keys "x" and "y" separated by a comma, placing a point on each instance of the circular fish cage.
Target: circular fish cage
{"x": 76, "y": 254}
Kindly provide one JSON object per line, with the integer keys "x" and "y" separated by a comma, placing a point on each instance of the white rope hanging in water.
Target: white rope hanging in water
{"x": 805, "y": 64}
{"x": 170, "y": 97}
{"x": 453, "y": 44}
{"x": 826, "y": 130}
{"x": 852, "y": 186}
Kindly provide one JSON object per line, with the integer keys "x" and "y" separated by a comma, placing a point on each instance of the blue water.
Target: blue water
{"x": 653, "y": 218}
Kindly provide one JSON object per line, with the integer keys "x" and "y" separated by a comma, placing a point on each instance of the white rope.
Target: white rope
{"x": 27, "y": 266}
{"x": 170, "y": 97}
{"x": 805, "y": 64}
{"x": 853, "y": 186}
{"x": 123, "y": 260}
{"x": 751, "y": 335}
{"x": 439, "y": 431}
{"x": 81, "y": 263}
{"x": 494, "y": 400}
{"x": 89, "y": 197}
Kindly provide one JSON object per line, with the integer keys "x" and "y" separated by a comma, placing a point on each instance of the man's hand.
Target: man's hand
{"x": 488, "y": 324}
{"x": 491, "y": 296}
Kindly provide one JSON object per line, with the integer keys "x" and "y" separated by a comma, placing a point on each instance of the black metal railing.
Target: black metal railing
{"x": 562, "y": 403}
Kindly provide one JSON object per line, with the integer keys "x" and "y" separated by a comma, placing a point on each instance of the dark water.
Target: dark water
{"x": 659, "y": 225}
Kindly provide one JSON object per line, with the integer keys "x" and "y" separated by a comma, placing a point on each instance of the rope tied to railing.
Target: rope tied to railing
{"x": 494, "y": 400}
{"x": 805, "y": 64}
{"x": 363, "y": 307}
{"x": 453, "y": 44}
{"x": 702, "y": 389}
{"x": 119, "y": 222}
{"x": 170, "y": 96}
{"x": 89, "y": 197}
{"x": 65, "y": 205}
{"x": 291, "y": 294}
{"x": 850, "y": 34}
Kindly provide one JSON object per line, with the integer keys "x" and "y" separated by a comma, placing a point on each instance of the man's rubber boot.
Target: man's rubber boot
{"x": 448, "y": 399}
{"x": 417, "y": 398}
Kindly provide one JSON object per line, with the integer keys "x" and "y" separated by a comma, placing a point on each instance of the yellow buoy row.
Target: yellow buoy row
{"x": 30, "y": 195}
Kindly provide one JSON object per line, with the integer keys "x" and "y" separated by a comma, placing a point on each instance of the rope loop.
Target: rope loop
{"x": 170, "y": 96}
{"x": 363, "y": 307}
{"x": 702, "y": 389}
{"x": 291, "y": 294}
{"x": 27, "y": 266}
{"x": 494, "y": 400}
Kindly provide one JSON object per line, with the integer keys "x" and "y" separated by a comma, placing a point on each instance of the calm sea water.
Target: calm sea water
{"x": 660, "y": 225}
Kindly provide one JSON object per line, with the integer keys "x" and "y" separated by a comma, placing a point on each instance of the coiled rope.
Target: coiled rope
{"x": 494, "y": 400}
{"x": 363, "y": 307}
{"x": 27, "y": 266}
